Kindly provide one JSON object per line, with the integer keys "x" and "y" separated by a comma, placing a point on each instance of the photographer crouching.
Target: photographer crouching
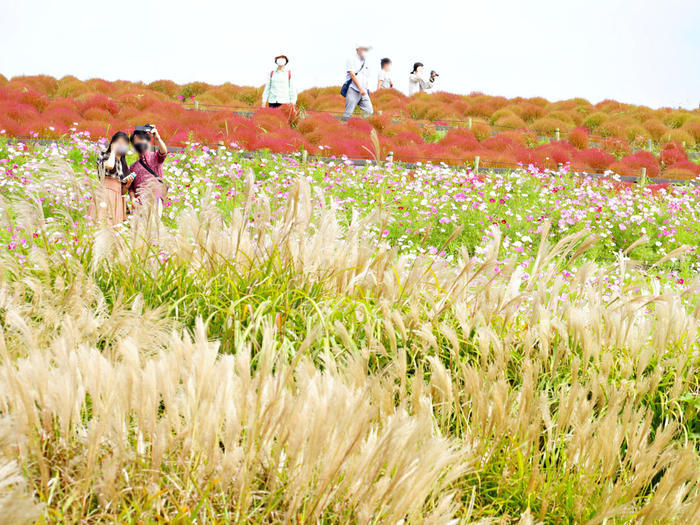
{"x": 148, "y": 170}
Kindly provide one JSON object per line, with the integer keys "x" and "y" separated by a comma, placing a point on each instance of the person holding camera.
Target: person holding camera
{"x": 279, "y": 88}
{"x": 355, "y": 90}
{"x": 115, "y": 181}
{"x": 148, "y": 170}
{"x": 416, "y": 82}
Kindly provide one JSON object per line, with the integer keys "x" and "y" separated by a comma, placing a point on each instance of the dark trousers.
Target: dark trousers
{"x": 273, "y": 104}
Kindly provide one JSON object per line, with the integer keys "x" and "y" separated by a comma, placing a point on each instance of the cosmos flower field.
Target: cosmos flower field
{"x": 324, "y": 342}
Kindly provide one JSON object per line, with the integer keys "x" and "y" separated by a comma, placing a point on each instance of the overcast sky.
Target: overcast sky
{"x": 644, "y": 52}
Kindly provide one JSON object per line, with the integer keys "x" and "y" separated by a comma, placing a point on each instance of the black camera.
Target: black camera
{"x": 146, "y": 127}
{"x": 434, "y": 74}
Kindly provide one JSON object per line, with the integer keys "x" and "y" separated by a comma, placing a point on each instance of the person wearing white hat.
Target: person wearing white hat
{"x": 279, "y": 88}
{"x": 355, "y": 90}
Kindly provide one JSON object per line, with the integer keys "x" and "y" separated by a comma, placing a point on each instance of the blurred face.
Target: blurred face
{"x": 120, "y": 146}
{"x": 141, "y": 143}
{"x": 281, "y": 62}
{"x": 362, "y": 52}
{"x": 387, "y": 66}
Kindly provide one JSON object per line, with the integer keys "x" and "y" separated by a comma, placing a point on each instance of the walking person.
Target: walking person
{"x": 355, "y": 90}
{"x": 148, "y": 170}
{"x": 279, "y": 88}
{"x": 115, "y": 180}
{"x": 384, "y": 78}
{"x": 416, "y": 82}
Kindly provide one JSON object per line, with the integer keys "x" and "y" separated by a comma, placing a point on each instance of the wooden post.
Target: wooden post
{"x": 221, "y": 145}
{"x": 557, "y": 136}
{"x": 648, "y": 144}
{"x": 390, "y": 156}
{"x": 469, "y": 123}
{"x": 643, "y": 178}
{"x": 196, "y": 104}
{"x": 304, "y": 156}
{"x": 476, "y": 163}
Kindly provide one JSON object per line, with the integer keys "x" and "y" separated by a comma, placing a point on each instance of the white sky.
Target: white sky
{"x": 645, "y": 52}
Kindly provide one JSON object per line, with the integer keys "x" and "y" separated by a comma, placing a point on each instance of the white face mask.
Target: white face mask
{"x": 122, "y": 149}
{"x": 281, "y": 62}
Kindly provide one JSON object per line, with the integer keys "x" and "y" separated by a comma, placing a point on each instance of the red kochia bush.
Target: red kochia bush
{"x": 379, "y": 122}
{"x": 270, "y": 118}
{"x": 33, "y": 98}
{"x": 593, "y": 159}
{"x": 500, "y": 142}
{"x": 61, "y": 115}
{"x": 406, "y": 138}
{"x": 642, "y": 159}
{"x": 578, "y": 137}
{"x": 683, "y": 168}
{"x": 672, "y": 153}
{"x": 281, "y": 141}
{"x": 461, "y": 139}
{"x": 13, "y": 128}
{"x": 100, "y": 102}
{"x": 18, "y": 112}
{"x": 555, "y": 153}
{"x": 360, "y": 125}
{"x": 616, "y": 146}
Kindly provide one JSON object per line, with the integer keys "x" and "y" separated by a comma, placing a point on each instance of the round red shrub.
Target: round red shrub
{"x": 672, "y": 153}
{"x": 642, "y": 159}
{"x": 460, "y": 138}
{"x": 270, "y": 118}
{"x": 100, "y": 102}
{"x": 578, "y": 137}
{"x": 593, "y": 160}
{"x": 616, "y": 146}
{"x": 682, "y": 169}
{"x": 360, "y": 124}
{"x": 61, "y": 115}
{"x": 18, "y": 112}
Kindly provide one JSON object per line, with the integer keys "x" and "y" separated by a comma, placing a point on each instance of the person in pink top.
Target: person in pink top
{"x": 148, "y": 170}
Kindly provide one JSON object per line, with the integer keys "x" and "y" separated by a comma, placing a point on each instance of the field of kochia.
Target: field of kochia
{"x": 440, "y": 127}
{"x": 326, "y": 343}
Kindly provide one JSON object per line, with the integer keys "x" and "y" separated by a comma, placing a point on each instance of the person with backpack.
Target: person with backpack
{"x": 355, "y": 90}
{"x": 279, "y": 88}
{"x": 148, "y": 170}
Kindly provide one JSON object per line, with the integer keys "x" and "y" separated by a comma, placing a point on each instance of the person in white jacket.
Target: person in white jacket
{"x": 416, "y": 82}
{"x": 279, "y": 87}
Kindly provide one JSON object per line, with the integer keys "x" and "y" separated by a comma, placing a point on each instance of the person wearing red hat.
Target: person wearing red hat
{"x": 279, "y": 88}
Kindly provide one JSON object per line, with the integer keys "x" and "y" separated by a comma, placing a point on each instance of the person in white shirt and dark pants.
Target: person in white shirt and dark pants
{"x": 279, "y": 88}
{"x": 357, "y": 83}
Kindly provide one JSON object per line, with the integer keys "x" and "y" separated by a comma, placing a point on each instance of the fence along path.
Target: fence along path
{"x": 248, "y": 111}
{"x": 475, "y": 165}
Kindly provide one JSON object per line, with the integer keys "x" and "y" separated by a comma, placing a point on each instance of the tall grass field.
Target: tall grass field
{"x": 317, "y": 342}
